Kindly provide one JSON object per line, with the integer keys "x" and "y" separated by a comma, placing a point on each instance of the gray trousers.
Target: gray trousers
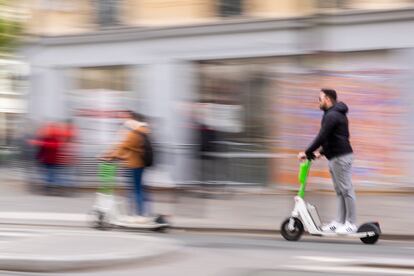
{"x": 341, "y": 172}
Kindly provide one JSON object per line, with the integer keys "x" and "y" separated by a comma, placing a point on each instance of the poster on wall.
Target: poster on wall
{"x": 98, "y": 115}
{"x": 224, "y": 117}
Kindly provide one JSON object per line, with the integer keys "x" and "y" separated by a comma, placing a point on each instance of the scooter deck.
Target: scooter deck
{"x": 352, "y": 235}
{"x": 148, "y": 226}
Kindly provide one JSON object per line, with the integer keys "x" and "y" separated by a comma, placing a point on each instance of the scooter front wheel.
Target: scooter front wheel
{"x": 100, "y": 221}
{"x": 292, "y": 234}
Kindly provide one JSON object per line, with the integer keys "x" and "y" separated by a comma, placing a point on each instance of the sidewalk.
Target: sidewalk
{"x": 241, "y": 211}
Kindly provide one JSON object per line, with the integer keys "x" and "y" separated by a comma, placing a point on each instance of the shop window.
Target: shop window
{"x": 229, "y": 8}
{"x": 107, "y": 12}
{"x": 334, "y": 4}
{"x": 107, "y": 77}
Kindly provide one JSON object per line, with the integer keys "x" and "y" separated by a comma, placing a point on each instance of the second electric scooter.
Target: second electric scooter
{"x": 109, "y": 211}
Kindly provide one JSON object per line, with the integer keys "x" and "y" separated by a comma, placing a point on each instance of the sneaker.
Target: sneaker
{"x": 347, "y": 228}
{"x": 331, "y": 227}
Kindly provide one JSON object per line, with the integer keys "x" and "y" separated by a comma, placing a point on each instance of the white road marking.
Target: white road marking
{"x": 43, "y": 216}
{"x": 15, "y": 234}
{"x": 325, "y": 259}
{"x": 362, "y": 260}
{"x": 351, "y": 269}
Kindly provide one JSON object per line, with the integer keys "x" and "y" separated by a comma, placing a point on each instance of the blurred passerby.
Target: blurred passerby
{"x": 49, "y": 147}
{"x": 131, "y": 150}
{"x": 207, "y": 146}
{"x": 29, "y": 154}
{"x": 68, "y": 153}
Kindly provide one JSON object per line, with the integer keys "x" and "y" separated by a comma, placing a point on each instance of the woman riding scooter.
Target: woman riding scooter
{"x": 130, "y": 150}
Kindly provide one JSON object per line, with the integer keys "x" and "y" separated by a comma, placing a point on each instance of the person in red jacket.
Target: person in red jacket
{"x": 48, "y": 155}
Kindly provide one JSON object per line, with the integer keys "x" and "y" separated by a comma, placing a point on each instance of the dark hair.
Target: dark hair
{"x": 330, "y": 93}
{"x": 137, "y": 116}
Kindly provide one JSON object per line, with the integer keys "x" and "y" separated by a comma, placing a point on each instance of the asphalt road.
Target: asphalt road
{"x": 242, "y": 254}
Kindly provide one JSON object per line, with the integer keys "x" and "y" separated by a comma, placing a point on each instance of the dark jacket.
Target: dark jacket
{"x": 334, "y": 133}
{"x": 207, "y": 139}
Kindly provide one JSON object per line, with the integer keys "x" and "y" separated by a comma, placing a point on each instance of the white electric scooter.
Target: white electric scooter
{"x": 305, "y": 216}
{"x": 110, "y": 211}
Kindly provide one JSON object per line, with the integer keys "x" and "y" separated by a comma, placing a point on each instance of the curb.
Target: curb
{"x": 390, "y": 237}
{"x": 395, "y": 237}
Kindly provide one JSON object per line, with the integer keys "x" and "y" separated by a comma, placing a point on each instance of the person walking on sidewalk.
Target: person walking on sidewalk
{"x": 48, "y": 155}
{"x": 131, "y": 151}
{"x": 333, "y": 137}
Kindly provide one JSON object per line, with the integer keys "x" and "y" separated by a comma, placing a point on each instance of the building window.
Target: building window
{"x": 113, "y": 78}
{"x": 228, "y": 8}
{"x": 333, "y": 4}
{"x": 57, "y": 5}
{"x": 107, "y": 12}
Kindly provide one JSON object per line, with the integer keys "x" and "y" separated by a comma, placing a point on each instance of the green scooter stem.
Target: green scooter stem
{"x": 303, "y": 177}
{"x": 107, "y": 174}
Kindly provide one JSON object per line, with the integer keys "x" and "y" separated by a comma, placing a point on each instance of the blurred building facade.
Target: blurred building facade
{"x": 13, "y": 79}
{"x": 13, "y": 76}
{"x": 58, "y": 17}
{"x": 250, "y": 70}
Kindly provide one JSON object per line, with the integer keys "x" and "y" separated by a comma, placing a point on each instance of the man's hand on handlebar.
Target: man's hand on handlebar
{"x": 302, "y": 156}
{"x": 104, "y": 158}
{"x": 107, "y": 158}
{"x": 316, "y": 155}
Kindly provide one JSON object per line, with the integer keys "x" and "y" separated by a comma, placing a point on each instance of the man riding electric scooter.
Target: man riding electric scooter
{"x": 333, "y": 137}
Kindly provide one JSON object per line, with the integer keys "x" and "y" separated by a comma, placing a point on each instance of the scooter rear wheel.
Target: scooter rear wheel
{"x": 370, "y": 227}
{"x": 295, "y": 233}
{"x": 162, "y": 220}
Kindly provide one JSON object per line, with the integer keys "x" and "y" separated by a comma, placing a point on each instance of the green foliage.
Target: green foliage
{"x": 10, "y": 30}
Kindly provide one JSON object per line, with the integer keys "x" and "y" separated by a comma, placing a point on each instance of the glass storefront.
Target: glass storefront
{"x": 234, "y": 99}
{"x": 263, "y": 111}
{"x": 99, "y": 102}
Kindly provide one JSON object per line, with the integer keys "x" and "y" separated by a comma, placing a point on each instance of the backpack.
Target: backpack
{"x": 148, "y": 155}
